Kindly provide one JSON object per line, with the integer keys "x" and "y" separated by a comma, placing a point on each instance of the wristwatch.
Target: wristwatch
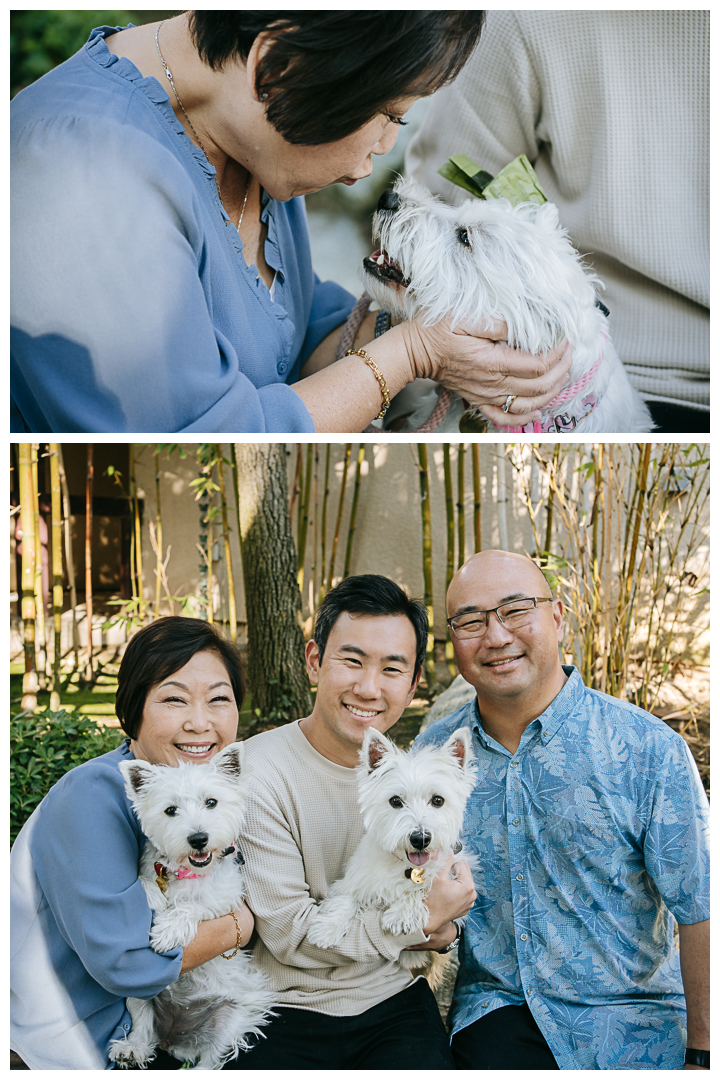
{"x": 456, "y": 941}
{"x": 694, "y": 1057}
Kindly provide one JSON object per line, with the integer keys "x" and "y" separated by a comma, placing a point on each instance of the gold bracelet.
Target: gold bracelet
{"x": 229, "y": 956}
{"x": 378, "y": 375}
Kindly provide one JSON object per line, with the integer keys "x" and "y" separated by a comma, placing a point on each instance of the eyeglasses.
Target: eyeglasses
{"x": 515, "y": 614}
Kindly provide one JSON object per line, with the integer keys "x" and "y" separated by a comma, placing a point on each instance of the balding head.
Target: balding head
{"x": 488, "y": 569}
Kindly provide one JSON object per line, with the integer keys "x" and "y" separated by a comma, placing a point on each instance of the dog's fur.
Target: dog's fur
{"x": 206, "y": 1015}
{"x": 375, "y": 877}
{"x": 487, "y": 261}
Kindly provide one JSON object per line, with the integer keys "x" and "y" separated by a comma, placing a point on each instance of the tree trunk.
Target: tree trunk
{"x": 276, "y": 672}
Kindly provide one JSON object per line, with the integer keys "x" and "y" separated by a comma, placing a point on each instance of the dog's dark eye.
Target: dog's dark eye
{"x": 462, "y": 235}
{"x": 211, "y": 803}
{"x": 437, "y": 800}
{"x": 396, "y": 801}
{"x": 171, "y": 811}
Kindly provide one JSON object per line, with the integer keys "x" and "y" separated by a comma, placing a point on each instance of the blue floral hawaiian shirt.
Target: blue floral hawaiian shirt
{"x": 592, "y": 838}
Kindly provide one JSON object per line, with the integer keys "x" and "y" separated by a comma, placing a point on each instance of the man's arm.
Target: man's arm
{"x": 695, "y": 969}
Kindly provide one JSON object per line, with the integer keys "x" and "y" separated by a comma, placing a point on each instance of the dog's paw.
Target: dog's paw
{"x": 331, "y": 921}
{"x": 166, "y": 936}
{"x": 130, "y": 1054}
{"x": 325, "y": 932}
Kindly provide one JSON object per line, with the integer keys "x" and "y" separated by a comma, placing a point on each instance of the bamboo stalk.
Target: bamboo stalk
{"x": 69, "y": 560}
{"x": 27, "y": 524}
{"x": 353, "y": 509}
{"x": 57, "y": 592}
{"x": 338, "y": 522}
{"x": 232, "y": 613}
{"x": 502, "y": 498}
{"x": 158, "y": 536}
{"x": 461, "y": 505}
{"x": 138, "y": 535}
{"x": 427, "y": 561}
{"x": 449, "y": 548}
{"x": 88, "y": 561}
{"x": 323, "y": 528}
{"x": 40, "y": 629}
{"x": 316, "y": 539}
{"x": 550, "y": 500}
{"x": 297, "y": 482}
{"x": 477, "y": 530}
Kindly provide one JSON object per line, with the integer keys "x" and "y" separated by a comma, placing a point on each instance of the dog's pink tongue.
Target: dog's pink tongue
{"x": 418, "y": 858}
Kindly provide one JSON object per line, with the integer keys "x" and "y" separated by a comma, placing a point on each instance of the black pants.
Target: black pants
{"x": 403, "y": 1032}
{"x": 676, "y": 419}
{"x": 507, "y": 1038}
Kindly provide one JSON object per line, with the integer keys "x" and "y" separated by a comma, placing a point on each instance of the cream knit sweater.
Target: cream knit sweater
{"x": 611, "y": 108}
{"x": 302, "y": 826}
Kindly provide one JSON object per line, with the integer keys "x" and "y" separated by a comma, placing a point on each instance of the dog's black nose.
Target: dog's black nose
{"x": 388, "y": 201}
{"x": 420, "y": 840}
{"x": 198, "y": 840}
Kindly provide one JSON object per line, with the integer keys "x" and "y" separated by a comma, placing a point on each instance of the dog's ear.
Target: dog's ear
{"x": 460, "y": 746}
{"x": 375, "y": 749}
{"x": 229, "y": 762}
{"x": 136, "y": 773}
{"x": 547, "y": 218}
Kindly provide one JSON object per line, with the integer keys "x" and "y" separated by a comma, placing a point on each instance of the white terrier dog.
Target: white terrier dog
{"x": 192, "y": 816}
{"x": 487, "y": 261}
{"x": 412, "y": 807}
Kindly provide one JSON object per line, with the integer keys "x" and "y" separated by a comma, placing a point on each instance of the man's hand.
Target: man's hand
{"x": 439, "y": 939}
{"x": 449, "y": 898}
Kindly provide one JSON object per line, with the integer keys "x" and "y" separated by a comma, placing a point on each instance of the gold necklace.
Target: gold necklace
{"x": 168, "y": 75}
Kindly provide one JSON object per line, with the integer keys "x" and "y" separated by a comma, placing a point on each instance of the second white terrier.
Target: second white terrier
{"x": 412, "y": 807}
{"x": 192, "y": 816}
{"x": 485, "y": 262}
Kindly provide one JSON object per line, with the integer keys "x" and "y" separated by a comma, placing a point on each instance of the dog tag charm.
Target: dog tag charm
{"x": 418, "y": 875}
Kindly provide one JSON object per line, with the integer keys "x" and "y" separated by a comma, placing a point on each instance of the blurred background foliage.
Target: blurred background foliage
{"x": 339, "y": 218}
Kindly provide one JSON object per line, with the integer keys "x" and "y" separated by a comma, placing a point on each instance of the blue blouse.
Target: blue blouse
{"x": 133, "y": 309}
{"x": 80, "y": 921}
{"x": 592, "y": 838}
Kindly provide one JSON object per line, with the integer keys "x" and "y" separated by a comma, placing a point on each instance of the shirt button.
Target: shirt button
{"x": 518, "y": 877}
{"x": 514, "y": 764}
{"x": 516, "y": 821}
{"x": 282, "y": 367}
{"x": 523, "y": 937}
{"x": 126, "y": 1027}
{"x": 485, "y": 1004}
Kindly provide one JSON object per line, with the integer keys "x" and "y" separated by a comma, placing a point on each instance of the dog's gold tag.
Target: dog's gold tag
{"x": 418, "y": 875}
{"x": 162, "y": 882}
{"x": 470, "y": 423}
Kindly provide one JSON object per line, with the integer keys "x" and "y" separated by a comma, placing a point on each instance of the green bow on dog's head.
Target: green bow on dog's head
{"x": 517, "y": 182}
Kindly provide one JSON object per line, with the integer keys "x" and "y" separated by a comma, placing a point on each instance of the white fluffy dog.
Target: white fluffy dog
{"x": 486, "y": 261}
{"x": 192, "y": 816}
{"x": 412, "y": 807}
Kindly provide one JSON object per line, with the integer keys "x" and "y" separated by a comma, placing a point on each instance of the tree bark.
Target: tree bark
{"x": 276, "y": 671}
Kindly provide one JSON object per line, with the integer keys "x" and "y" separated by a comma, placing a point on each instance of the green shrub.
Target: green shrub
{"x": 43, "y": 747}
{"x": 40, "y": 40}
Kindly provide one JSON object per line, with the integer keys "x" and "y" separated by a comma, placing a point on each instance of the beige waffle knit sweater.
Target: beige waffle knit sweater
{"x": 302, "y": 825}
{"x": 611, "y": 107}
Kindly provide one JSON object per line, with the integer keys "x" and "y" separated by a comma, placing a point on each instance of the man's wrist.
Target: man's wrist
{"x": 697, "y": 1057}
{"x": 452, "y": 946}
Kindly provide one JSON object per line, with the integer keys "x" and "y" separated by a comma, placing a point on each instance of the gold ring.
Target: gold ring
{"x": 508, "y": 402}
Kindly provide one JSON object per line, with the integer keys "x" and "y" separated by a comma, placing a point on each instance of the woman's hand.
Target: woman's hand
{"x": 485, "y": 370}
{"x": 215, "y": 936}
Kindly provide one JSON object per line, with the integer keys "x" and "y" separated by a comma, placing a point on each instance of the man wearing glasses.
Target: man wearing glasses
{"x": 589, "y": 822}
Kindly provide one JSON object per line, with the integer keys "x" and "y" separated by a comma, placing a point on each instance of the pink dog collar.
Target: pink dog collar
{"x": 163, "y": 873}
{"x": 560, "y": 422}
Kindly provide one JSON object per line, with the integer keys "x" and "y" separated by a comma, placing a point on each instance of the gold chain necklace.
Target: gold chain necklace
{"x": 168, "y": 75}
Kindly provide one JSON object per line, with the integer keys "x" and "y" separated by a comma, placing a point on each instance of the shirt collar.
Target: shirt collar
{"x": 554, "y": 716}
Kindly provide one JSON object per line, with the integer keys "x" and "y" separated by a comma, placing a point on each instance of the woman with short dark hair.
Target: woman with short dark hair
{"x": 162, "y": 278}
{"x": 80, "y": 917}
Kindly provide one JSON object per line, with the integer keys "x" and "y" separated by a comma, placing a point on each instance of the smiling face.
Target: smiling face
{"x": 510, "y": 664}
{"x": 189, "y": 716}
{"x": 365, "y": 680}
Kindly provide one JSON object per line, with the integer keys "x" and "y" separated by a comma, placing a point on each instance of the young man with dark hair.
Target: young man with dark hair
{"x": 354, "y": 1006}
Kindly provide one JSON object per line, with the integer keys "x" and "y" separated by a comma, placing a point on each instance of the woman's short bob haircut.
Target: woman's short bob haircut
{"x": 327, "y": 73}
{"x": 158, "y": 651}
